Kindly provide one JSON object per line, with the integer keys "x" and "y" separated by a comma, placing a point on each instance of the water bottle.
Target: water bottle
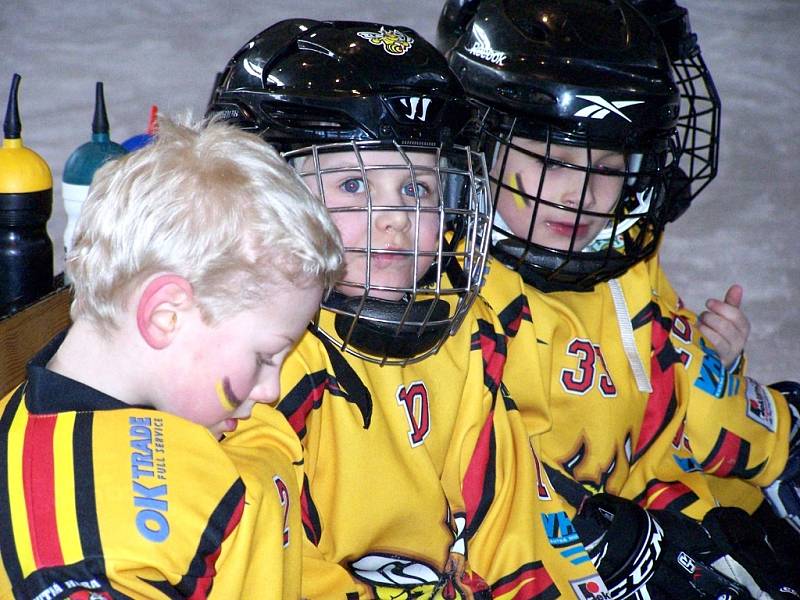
{"x": 142, "y": 139}
{"x": 82, "y": 164}
{"x": 26, "y": 201}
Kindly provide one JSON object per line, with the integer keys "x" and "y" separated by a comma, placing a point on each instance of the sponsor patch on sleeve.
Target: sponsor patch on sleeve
{"x": 590, "y": 588}
{"x": 760, "y": 405}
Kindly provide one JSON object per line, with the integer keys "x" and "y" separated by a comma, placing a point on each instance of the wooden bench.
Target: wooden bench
{"x": 24, "y": 333}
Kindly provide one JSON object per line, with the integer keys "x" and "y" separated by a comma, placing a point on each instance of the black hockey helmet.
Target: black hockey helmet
{"x": 699, "y": 121}
{"x": 303, "y": 82}
{"x": 321, "y": 89}
{"x": 591, "y": 74}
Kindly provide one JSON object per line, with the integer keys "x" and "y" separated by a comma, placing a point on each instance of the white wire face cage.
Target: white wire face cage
{"x": 698, "y": 127}
{"x": 570, "y": 216}
{"x": 415, "y": 221}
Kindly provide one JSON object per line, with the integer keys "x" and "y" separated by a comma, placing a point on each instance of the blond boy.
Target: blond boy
{"x": 197, "y": 263}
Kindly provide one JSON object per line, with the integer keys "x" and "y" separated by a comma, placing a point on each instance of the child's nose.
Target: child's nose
{"x": 267, "y": 390}
{"x": 391, "y": 212}
{"x": 577, "y": 190}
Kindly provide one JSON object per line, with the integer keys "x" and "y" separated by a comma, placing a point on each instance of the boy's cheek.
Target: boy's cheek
{"x": 232, "y": 390}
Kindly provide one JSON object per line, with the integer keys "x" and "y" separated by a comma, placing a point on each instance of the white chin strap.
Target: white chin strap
{"x": 499, "y": 222}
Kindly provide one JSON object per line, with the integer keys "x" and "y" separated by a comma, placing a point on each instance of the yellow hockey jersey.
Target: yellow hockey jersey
{"x": 609, "y": 431}
{"x": 420, "y": 481}
{"x": 99, "y": 499}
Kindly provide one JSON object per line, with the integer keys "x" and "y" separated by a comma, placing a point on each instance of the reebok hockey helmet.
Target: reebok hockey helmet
{"x": 593, "y": 77}
{"x": 354, "y": 105}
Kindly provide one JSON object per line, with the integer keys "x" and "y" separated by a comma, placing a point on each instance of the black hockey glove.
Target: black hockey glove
{"x": 784, "y": 493}
{"x": 665, "y": 555}
{"x": 748, "y": 557}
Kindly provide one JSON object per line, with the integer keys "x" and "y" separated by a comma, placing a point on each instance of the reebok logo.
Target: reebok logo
{"x": 600, "y": 107}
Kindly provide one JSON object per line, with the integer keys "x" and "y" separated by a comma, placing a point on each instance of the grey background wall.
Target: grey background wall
{"x": 743, "y": 228}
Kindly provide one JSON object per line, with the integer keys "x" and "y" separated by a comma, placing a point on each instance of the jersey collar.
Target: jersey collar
{"x": 49, "y": 392}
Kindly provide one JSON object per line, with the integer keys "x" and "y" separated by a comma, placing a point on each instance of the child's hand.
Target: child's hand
{"x": 725, "y": 325}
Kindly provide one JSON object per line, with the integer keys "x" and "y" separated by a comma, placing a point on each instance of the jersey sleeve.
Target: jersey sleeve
{"x": 268, "y": 555}
{"x": 305, "y": 382}
{"x": 322, "y": 577}
{"x": 734, "y": 427}
{"x": 526, "y": 372}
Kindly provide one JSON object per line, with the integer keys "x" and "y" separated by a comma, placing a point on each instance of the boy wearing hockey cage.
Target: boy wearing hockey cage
{"x": 419, "y": 476}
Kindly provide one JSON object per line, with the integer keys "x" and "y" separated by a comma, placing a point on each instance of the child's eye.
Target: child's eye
{"x": 353, "y": 186}
{"x": 614, "y": 163}
{"x": 552, "y": 165}
{"x": 418, "y": 190}
{"x": 606, "y": 170}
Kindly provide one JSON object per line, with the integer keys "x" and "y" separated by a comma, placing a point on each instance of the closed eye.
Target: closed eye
{"x": 264, "y": 360}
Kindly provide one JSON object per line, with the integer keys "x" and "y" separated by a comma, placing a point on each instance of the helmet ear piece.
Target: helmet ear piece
{"x": 655, "y": 182}
{"x": 456, "y": 188}
{"x": 213, "y": 96}
{"x": 455, "y": 202}
{"x": 679, "y": 194}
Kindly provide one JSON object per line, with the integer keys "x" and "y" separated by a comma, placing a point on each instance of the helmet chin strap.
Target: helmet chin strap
{"x": 499, "y": 223}
{"x": 601, "y": 240}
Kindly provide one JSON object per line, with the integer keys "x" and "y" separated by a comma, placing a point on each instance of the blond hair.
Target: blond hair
{"x": 209, "y": 202}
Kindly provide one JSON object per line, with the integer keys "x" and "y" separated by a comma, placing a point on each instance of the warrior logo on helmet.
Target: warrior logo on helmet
{"x": 393, "y": 41}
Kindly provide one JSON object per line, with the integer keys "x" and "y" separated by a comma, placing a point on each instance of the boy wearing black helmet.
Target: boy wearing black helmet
{"x": 419, "y": 476}
{"x": 579, "y": 129}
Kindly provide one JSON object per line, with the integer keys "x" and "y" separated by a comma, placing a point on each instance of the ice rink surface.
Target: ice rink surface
{"x": 743, "y": 228}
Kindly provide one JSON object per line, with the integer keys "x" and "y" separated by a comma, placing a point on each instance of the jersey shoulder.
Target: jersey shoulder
{"x": 136, "y": 497}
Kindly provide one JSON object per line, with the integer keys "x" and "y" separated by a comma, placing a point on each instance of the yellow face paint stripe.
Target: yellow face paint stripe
{"x": 64, "y": 467}
{"x": 516, "y": 186}
{"x": 223, "y": 397}
{"x": 16, "y": 493}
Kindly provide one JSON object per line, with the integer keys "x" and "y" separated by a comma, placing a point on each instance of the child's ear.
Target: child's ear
{"x": 162, "y": 306}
